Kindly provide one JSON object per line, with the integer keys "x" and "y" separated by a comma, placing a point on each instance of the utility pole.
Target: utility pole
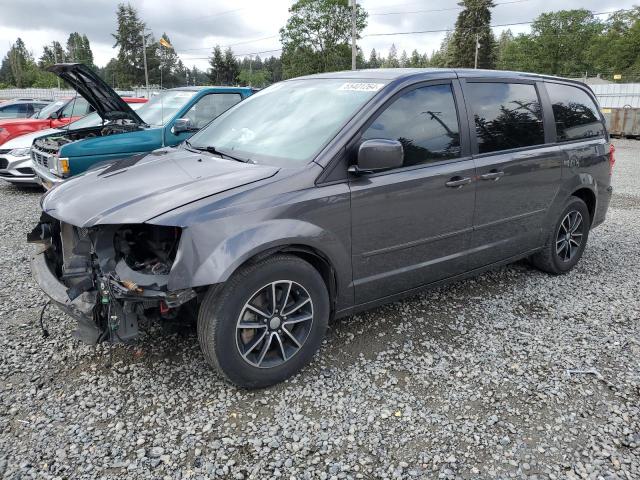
{"x": 55, "y": 59}
{"x": 475, "y": 63}
{"x": 144, "y": 59}
{"x": 354, "y": 49}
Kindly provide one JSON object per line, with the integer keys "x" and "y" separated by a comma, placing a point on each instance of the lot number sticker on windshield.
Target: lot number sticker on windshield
{"x": 361, "y": 87}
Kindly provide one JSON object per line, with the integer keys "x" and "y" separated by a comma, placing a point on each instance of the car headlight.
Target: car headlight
{"x": 20, "y": 152}
{"x": 61, "y": 166}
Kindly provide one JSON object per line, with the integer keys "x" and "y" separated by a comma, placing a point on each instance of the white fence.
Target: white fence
{"x": 55, "y": 93}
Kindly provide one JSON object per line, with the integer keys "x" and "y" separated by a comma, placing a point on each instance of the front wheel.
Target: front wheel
{"x": 566, "y": 239}
{"x": 266, "y": 322}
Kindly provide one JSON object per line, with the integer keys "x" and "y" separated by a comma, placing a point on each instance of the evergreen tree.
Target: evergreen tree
{"x": 181, "y": 74}
{"x": 52, "y": 54}
{"x": 443, "y": 56}
{"x": 18, "y": 67}
{"x": 504, "y": 42}
{"x": 231, "y": 68}
{"x": 216, "y": 72}
{"x": 273, "y": 67}
{"x": 392, "y": 59}
{"x": 415, "y": 61}
{"x": 128, "y": 38}
{"x": 473, "y": 24}
{"x": 404, "y": 59}
{"x": 374, "y": 61}
{"x": 79, "y": 49}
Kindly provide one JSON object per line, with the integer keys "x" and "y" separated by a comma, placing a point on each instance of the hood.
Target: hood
{"x": 25, "y": 141}
{"x": 140, "y": 188}
{"x": 108, "y": 104}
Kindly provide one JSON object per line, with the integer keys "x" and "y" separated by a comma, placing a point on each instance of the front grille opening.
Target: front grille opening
{"x": 26, "y": 170}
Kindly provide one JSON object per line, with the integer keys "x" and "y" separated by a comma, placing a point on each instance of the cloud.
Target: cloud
{"x": 195, "y": 26}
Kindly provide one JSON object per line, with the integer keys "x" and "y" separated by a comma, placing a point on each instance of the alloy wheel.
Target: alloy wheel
{"x": 569, "y": 238}
{"x": 274, "y": 324}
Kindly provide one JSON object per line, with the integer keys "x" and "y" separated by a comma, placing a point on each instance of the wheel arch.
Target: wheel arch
{"x": 203, "y": 260}
{"x": 588, "y": 196}
{"x": 316, "y": 258}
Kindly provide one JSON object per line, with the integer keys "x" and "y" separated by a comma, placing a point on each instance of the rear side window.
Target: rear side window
{"x": 13, "y": 111}
{"x": 575, "y": 113}
{"x": 425, "y": 121}
{"x": 506, "y": 115}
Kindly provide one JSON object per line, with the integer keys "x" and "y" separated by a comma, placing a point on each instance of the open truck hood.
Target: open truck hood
{"x": 108, "y": 104}
{"x": 138, "y": 189}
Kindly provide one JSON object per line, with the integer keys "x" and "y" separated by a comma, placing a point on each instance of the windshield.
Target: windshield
{"x": 287, "y": 123}
{"x": 164, "y": 106}
{"x": 49, "y": 109}
{"x": 94, "y": 120}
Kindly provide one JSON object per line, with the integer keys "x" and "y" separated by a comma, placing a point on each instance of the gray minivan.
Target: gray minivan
{"x": 321, "y": 196}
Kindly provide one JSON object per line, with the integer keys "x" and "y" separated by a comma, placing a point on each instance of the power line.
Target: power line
{"x": 438, "y": 9}
{"x": 241, "y": 54}
{"x": 475, "y": 28}
{"x": 231, "y": 44}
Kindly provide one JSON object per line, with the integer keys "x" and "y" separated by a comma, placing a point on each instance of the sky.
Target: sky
{"x": 250, "y": 26}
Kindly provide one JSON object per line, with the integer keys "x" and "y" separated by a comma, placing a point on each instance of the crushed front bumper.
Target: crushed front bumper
{"x": 80, "y": 308}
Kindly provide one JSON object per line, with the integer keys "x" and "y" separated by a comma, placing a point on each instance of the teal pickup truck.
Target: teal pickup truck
{"x": 167, "y": 119}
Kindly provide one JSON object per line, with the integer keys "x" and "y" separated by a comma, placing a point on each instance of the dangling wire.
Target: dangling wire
{"x": 45, "y": 332}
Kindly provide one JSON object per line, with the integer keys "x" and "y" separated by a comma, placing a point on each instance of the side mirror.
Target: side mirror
{"x": 378, "y": 154}
{"x": 54, "y": 115}
{"x": 182, "y": 125}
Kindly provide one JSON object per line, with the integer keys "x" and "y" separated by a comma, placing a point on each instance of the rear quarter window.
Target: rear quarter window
{"x": 576, "y": 114}
{"x": 506, "y": 115}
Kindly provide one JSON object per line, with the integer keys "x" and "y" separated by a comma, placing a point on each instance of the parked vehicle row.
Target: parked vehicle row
{"x": 166, "y": 120}
{"x": 16, "y": 164}
{"x": 39, "y": 150}
{"x": 319, "y": 197}
{"x": 54, "y": 115}
{"x": 21, "y": 107}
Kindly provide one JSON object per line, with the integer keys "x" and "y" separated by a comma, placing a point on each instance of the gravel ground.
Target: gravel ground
{"x": 468, "y": 381}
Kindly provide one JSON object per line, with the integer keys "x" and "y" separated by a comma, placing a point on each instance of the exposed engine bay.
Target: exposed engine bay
{"x": 52, "y": 143}
{"x": 116, "y": 275}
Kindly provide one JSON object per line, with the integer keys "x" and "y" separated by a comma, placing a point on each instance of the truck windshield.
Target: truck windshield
{"x": 288, "y": 123}
{"x": 161, "y": 108}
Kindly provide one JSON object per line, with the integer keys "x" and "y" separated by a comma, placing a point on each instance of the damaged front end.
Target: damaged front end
{"x": 108, "y": 277}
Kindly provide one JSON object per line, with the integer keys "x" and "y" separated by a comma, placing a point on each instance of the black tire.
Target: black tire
{"x": 220, "y": 331}
{"x": 548, "y": 259}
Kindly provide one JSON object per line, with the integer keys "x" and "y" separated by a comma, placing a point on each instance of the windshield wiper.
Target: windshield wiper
{"x": 215, "y": 151}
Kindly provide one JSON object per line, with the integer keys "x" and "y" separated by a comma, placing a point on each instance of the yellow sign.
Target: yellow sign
{"x": 605, "y": 110}
{"x": 164, "y": 43}
{"x": 617, "y": 76}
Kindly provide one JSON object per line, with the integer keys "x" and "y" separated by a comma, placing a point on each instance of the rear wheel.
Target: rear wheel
{"x": 266, "y": 322}
{"x": 566, "y": 239}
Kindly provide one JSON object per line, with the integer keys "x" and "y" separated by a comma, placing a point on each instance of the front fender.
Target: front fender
{"x": 200, "y": 261}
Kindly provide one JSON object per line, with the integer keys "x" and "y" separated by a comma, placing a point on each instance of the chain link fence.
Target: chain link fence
{"x": 55, "y": 93}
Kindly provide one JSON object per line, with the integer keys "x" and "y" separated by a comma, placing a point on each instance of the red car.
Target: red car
{"x": 54, "y": 115}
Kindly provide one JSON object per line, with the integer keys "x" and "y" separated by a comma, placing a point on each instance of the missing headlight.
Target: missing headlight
{"x": 147, "y": 249}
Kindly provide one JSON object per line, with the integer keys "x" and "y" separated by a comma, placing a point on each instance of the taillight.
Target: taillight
{"x": 612, "y": 158}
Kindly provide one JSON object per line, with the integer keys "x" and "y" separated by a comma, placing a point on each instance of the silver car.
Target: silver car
{"x": 16, "y": 165}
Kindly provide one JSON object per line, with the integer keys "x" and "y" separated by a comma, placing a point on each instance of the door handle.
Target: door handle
{"x": 492, "y": 175}
{"x": 457, "y": 182}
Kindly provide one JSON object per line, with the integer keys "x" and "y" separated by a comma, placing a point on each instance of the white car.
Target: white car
{"x": 16, "y": 165}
